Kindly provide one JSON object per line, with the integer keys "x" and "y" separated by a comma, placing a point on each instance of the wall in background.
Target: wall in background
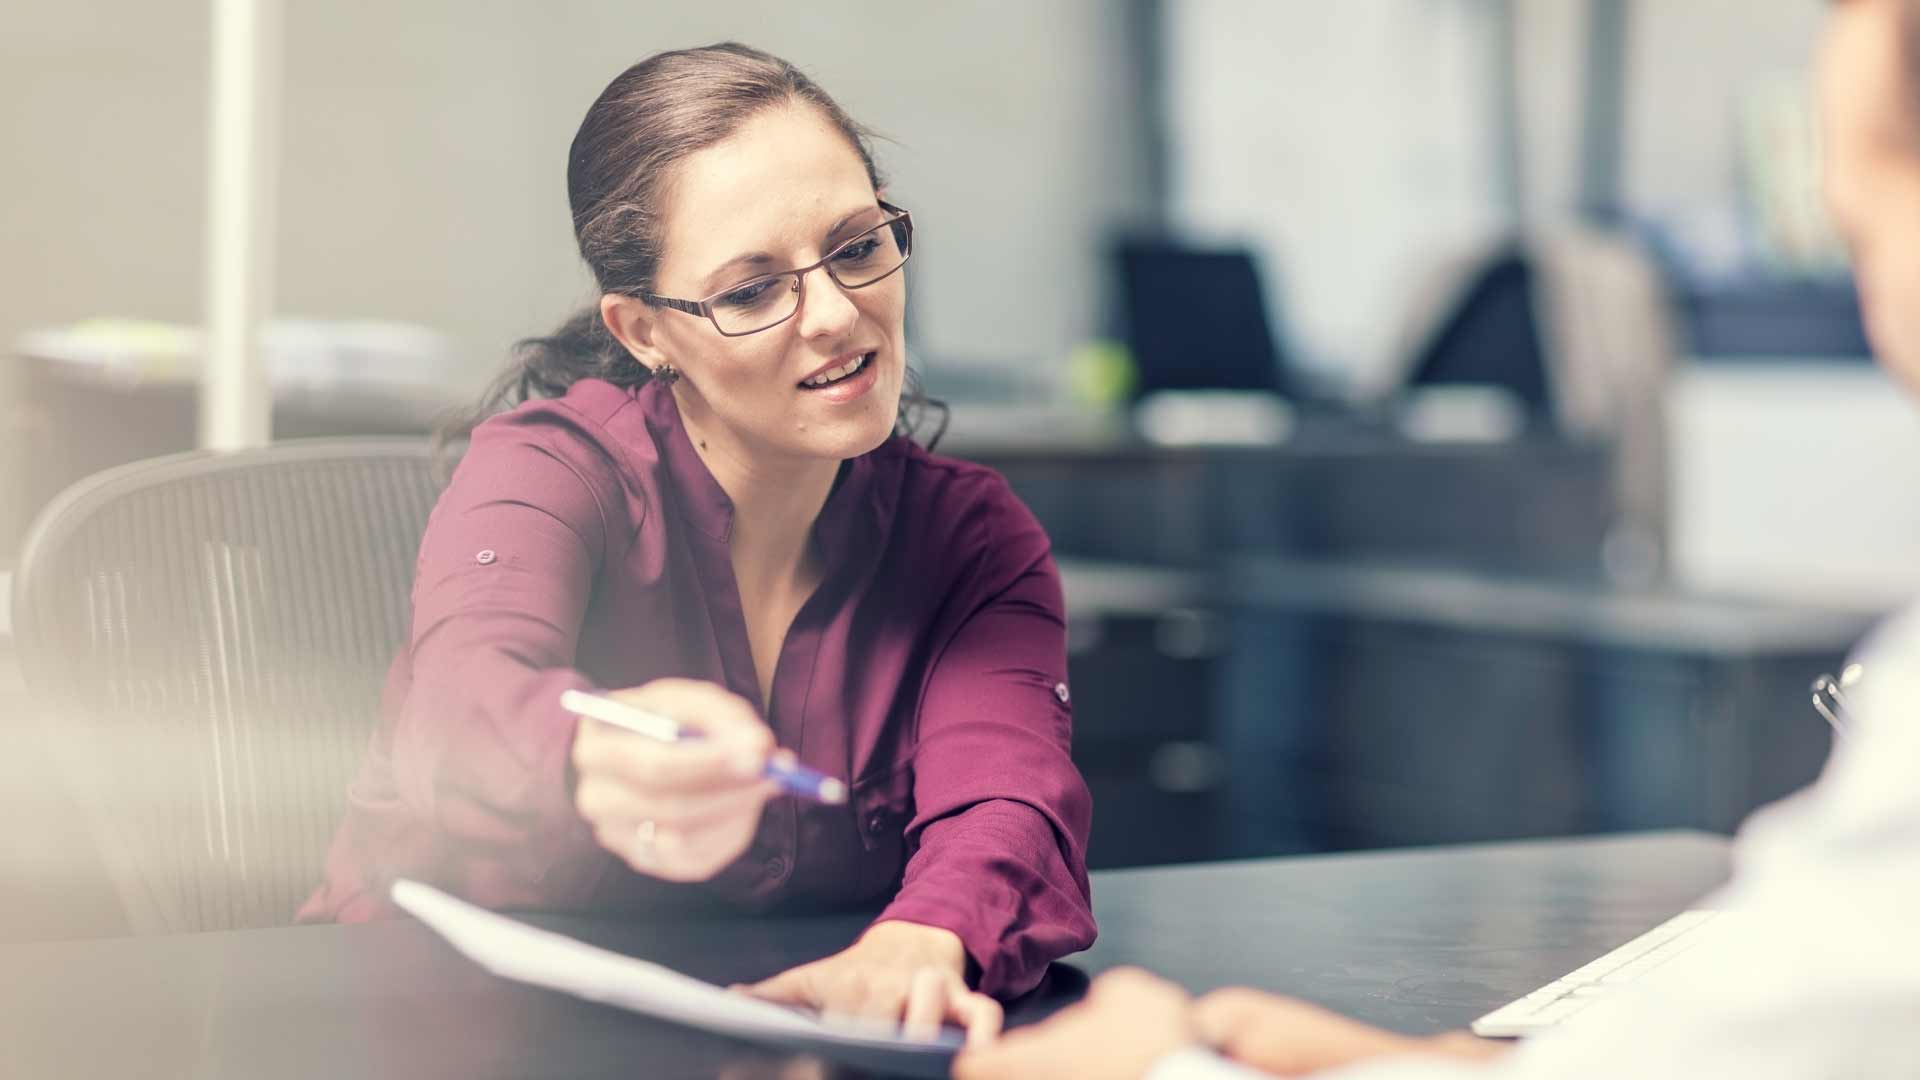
{"x": 1690, "y": 62}
{"x": 102, "y": 112}
{"x": 1796, "y": 481}
{"x": 1356, "y": 144}
{"x": 1347, "y": 142}
{"x": 424, "y": 151}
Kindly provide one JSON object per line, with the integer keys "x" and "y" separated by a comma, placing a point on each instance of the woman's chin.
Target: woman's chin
{"x": 871, "y": 427}
{"x": 863, "y": 438}
{"x": 842, "y": 431}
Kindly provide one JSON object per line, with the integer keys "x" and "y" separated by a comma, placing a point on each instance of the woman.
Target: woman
{"x": 709, "y": 500}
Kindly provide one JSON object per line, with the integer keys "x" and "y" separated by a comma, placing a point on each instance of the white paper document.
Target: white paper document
{"x": 514, "y": 950}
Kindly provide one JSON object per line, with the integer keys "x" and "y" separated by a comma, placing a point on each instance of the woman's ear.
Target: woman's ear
{"x": 632, "y": 322}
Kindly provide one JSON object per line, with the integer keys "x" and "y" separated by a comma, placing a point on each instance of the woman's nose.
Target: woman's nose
{"x": 825, "y": 308}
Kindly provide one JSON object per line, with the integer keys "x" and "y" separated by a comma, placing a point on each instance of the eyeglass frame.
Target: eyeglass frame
{"x": 899, "y": 217}
{"x": 1830, "y": 698}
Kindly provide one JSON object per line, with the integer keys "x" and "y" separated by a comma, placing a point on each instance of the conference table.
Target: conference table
{"x": 1419, "y": 940}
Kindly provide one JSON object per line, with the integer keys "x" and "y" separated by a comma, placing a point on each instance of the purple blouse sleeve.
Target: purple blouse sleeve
{"x": 480, "y": 746}
{"x": 999, "y": 832}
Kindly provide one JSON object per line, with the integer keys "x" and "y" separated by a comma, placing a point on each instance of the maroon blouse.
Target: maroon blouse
{"x": 583, "y": 543}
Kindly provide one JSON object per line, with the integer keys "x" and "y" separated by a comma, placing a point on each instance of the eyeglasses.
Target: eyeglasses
{"x": 1830, "y": 697}
{"x": 764, "y": 302}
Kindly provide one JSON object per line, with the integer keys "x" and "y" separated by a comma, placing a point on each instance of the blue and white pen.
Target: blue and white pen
{"x": 792, "y": 776}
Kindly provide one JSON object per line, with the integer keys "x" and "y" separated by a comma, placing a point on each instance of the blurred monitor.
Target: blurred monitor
{"x": 1490, "y": 337}
{"x": 1196, "y": 319}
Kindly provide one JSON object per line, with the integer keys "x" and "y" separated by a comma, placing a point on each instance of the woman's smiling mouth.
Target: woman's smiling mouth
{"x": 837, "y": 375}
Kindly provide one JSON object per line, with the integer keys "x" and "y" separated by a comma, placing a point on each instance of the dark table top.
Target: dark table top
{"x": 1418, "y": 941}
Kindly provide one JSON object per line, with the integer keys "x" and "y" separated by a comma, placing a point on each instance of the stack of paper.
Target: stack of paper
{"x": 514, "y": 950}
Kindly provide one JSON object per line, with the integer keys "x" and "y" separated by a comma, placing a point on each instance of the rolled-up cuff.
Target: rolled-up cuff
{"x": 994, "y": 876}
{"x": 982, "y": 932}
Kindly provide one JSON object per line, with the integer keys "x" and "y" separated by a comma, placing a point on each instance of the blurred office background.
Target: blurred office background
{"x": 1451, "y": 415}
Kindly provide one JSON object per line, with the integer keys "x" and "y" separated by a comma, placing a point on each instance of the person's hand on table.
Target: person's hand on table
{"x": 897, "y": 972}
{"x": 1128, "y": 1021}
{"x": 679, "y": 811}
{"x": 1288, "y": 1037}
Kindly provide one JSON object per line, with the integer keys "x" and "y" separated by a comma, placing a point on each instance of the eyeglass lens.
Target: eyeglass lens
{"x": 767, "y": 301}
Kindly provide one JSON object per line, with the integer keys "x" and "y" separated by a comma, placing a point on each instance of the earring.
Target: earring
{"x": 666, "y": 374}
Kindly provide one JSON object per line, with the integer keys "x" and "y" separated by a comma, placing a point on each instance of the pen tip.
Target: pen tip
{"x": 833, "y": 792}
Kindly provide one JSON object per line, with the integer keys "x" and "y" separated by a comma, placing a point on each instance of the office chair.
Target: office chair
{"x": 1196, "y": 318}
{"x": 207, "y": 634}
{"x": 1579, "y": 325}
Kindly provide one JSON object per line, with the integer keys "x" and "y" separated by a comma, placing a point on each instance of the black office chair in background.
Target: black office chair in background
{"x": 206, "y": 635}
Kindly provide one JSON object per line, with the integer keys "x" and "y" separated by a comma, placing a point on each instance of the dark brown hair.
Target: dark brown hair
{"x": 655, "y": 114}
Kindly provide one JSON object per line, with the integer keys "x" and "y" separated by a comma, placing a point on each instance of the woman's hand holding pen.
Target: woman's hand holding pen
{"x": 680, "y": 811}
{"x": 898, "y": 971}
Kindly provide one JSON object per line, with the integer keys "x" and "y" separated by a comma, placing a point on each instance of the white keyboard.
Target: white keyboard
{"x": 1577, "y": 990}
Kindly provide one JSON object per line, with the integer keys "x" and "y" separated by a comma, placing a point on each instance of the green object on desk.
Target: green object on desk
{"x": 1101, "y": 374}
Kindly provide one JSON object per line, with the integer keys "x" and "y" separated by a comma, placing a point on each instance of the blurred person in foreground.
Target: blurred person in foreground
{"x": 1821, "y": 978}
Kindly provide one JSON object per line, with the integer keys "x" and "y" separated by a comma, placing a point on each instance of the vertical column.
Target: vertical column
{"x": 242, "y": 173}
{"x": 1603, "y": 129}
{"x": 1503, "y": 86}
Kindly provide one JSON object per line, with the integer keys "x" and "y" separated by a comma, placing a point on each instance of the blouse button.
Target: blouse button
{"x": 876, "y": 823}
{"x": 486, "y": 557}
{"x": 1060, "y": 691}
{"x": 775, "y": 866}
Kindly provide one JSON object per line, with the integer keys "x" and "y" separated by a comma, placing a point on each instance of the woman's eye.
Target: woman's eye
{"x": 748, "y": 295}
{"x": 859, "y": 250}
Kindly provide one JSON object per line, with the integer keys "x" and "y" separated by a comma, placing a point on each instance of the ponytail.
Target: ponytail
{"x": 544, "y": 367}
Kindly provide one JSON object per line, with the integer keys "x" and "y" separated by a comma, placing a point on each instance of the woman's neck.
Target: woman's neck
{"x": 775, "y": 503}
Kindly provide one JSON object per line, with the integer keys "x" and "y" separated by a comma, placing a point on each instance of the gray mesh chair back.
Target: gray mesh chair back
{"x": 209, "y": 634}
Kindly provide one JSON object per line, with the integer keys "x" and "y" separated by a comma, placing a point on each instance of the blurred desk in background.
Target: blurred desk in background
{"x": 1334, "y": 489}
{"x": 1351, "y": 639}
{"x": 1285, "y": 705}
{"x": 69, "y": 420}
{"x": 1188, "y": 702}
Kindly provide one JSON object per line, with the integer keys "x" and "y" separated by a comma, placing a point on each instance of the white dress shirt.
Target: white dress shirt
{"x": 1819, "y": 973}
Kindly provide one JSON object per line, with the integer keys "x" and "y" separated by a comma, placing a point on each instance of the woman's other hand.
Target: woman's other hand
{"x": 679, "y": 811}
{"x": 898, "y": 972}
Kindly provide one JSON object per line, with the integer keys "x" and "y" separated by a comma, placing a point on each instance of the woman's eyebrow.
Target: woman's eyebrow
{"x": 756, "y": 258}
{"x": 842, "y": 224}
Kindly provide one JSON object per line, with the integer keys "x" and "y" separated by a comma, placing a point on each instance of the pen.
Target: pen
{"x": 792, "y": 776}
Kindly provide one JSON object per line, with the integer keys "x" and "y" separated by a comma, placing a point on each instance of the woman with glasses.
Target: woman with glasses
{"x": 707, "y": 503}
